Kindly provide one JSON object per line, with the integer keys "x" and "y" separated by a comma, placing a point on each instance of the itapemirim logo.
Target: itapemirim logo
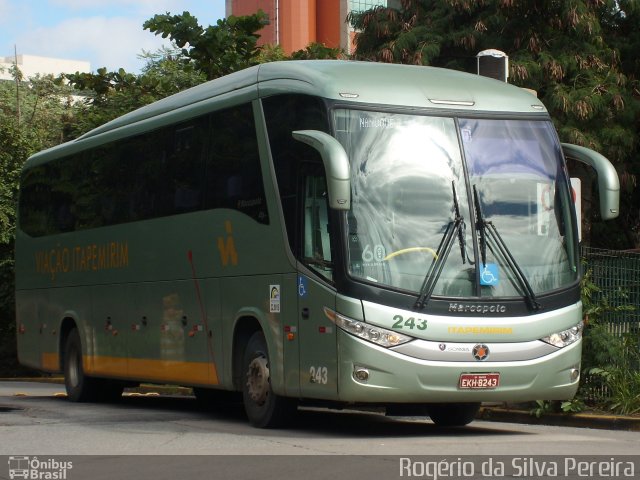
{"x": 35, "y": 469}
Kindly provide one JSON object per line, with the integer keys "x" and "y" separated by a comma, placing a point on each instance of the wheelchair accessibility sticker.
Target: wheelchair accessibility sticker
{"x": 302, "y": 286}
{"x": 489, "y": 275}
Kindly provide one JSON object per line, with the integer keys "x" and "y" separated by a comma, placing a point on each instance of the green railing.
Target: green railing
{"x": 611, "y": 353}
{"x": 617, "y": 275}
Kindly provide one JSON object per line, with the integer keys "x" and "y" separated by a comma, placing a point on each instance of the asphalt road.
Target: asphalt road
{"x": 36, "y": 420}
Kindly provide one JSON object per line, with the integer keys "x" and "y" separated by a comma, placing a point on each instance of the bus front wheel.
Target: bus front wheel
{"x": 453, "y": 414}
{"x": 264, "y": 408}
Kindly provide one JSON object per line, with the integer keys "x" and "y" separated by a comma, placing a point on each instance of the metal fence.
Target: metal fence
{"x": 617, "y": 275}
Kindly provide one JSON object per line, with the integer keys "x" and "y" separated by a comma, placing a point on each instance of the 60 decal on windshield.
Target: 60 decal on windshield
{"x": 409, "y": 324}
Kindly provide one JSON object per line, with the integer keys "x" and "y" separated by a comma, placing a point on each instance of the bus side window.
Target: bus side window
{"x": 233, "y": 172}
{"x": 285, "y": 114}
{"x": 316, "y": 232}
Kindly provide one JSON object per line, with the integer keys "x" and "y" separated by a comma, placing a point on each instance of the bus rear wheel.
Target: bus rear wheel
{"x": 453, "y": 414}
{"x": 264, "y": 408}
{"x": 80, "y": 387}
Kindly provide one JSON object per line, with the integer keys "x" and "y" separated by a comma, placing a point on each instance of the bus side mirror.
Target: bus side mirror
{"x": 608, "y": 183}
{"x": 336, "y": 166}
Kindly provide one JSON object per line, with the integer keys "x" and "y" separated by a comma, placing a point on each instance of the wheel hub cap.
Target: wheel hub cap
{"x": 258, "y": 380}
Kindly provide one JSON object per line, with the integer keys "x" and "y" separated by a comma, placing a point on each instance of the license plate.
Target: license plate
{"x": 479, "y": 381}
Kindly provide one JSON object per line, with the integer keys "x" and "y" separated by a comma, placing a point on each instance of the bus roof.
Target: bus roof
{"x": 364, "y": 82}
{"x": 356, "y": 82}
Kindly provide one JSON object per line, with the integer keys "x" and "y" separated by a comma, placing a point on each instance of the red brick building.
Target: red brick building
{"x": 294, "y": 24}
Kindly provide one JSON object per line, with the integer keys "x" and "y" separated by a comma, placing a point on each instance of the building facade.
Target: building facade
{"x": 32, "y": 65}
{"x": 294, "y": 24}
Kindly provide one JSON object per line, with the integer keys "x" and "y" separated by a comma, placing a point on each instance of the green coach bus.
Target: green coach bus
{"x": 313, "y": 232}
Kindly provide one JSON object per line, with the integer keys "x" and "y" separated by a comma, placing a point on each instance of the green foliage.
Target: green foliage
{"x": 610, "y": 362}
{"x": 414, "y": 34}
{"x": 313, "y": 51}
{"x": 216, "y": 50}
{"x": 575, "y": 405}
{"x": 14, "y": 149}
{"x": 43, "y": 112}
{"x": 35, "y": 123}
{"x": 271, "y": 53}
{"x": 543, "y": 407}
{"x": 109, "y": 95}
{"x": 317, "y": 51}
{"x": 602, "y": 348}
{"x": 623, "y": 387}
{"x": 199, "y": 54}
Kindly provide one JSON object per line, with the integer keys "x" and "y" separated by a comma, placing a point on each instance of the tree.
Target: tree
{"x": 199, "y": 54}
{"x": 14, "y": 149}
{"x": 316, "y": 51}
{"x": 39, "y": 125}
{"x": 108, "y": 95}
{"x": 557, "y": 48}
{"x": 229, "y": 46}
{"x": 621, "y": 26}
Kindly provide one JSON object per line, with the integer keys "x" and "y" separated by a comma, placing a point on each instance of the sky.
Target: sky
{"x": 106, "y": 33}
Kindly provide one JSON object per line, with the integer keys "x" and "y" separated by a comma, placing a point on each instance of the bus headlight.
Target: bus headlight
{"x": 565, "y": 337}
{"x": 379, "y": 336}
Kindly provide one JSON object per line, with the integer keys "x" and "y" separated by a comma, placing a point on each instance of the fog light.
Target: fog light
{"x": 361, "y": 374}
{"x": 574, "y": 373}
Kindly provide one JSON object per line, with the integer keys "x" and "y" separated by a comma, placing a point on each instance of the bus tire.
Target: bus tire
{"x": 453, "y": 414}
{"x": 80, "y": 388}
{"x": 264, "y": 408}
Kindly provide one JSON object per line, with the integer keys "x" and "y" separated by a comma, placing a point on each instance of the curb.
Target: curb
{"x": 576, "y": 420}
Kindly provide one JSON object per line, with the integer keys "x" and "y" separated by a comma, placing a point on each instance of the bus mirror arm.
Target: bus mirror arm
{"x": 608, "y": 183}
{"x": 336, "y": 165}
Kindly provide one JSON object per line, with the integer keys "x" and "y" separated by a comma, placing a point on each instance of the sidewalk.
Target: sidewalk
{"x": 576, "y": 420}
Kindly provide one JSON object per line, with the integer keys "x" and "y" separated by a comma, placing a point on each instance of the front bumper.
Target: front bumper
{"x": 399, "y": 378}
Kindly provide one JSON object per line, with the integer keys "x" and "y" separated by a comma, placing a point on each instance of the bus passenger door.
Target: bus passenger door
{"x": 317, "y": 335}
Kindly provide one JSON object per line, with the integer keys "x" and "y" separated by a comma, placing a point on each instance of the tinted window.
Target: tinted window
{"x": 285, "y": 114}
{"x": 234, "y": 178}
{"x": 207, "y": 162}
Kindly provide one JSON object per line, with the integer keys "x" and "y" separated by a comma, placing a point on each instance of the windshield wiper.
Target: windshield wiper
{"x": 487, "y": 229}
{"x": 435, "y": 270}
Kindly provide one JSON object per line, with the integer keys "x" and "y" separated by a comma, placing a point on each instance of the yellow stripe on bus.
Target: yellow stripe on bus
{"x": 50, "y": 362}
{"x": 173, "y": 371}
{"x": 200, "y": 373}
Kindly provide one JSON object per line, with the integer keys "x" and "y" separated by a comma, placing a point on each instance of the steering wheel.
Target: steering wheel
{"x": 411, "y": 250}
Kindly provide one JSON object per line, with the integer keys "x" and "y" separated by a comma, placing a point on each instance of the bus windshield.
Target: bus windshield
{"x": 414, "y": 176}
